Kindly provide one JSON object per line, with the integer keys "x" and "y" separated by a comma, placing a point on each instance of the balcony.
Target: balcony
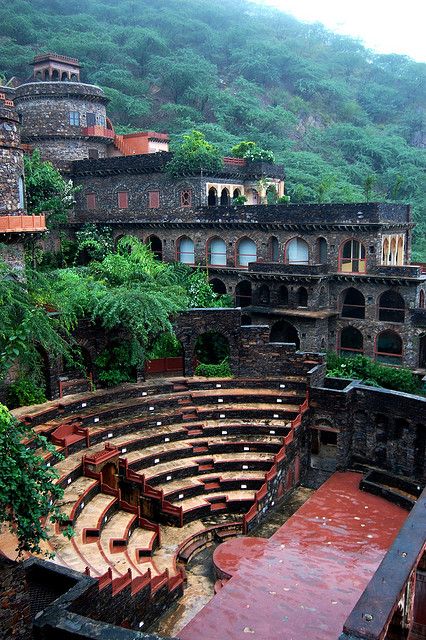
{"x": 97, "y": 131}
{"x": 298, "y": 269}
{"x": 19, "y": 224}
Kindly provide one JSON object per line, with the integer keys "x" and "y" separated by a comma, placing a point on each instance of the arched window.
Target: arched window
{"x": 273, "y": 249}
{"x": 297, "y": 251}
{"x": 400, "y": 252}
{"x": 388, "y": 347}
{"x": 216, "y": 252}
{"x": 225, "y": 199}
{"x": 352, "y": 257}
{"x": 218, "y": 286}
{"x": 385, "y": 252}
{"x": 64, "y": 76}
{"x": 283, "y": 295}
{"x": 302, "y": 297}
{"x": 21, "y": 192}
{"x": 351, "y": 341}
{"x": 271, "y": 194}
{"x": 321, "y": 246}
{"x": 421, "y": 299}
{"x": 46, "y": 75}
{"x": 74, "y": 77}
{"x": 212, "y": 198}
{"x": 38, "y": 75}
{"x": 353, "y": 305}
{"x": 263, "y": 295}
{"x": 185, "y": 250}
{"x": 391, "y": 307}
{"x": 236, "y": 193}
{"x": 55, "y": 74}
{"x": 393, "y": 251}
{"x": 243, "y": 294}
{"x": 246, "y": 252}
{"x": 283, "y": 331}
{"x": 156, "y": 246}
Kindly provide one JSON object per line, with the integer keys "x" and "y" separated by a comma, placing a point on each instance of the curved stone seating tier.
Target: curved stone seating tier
{"x": 238, "y": 461}
{"x": 154, "y": 455}
{"x": 187, "y": 486}
{"x": 190, "y": 453}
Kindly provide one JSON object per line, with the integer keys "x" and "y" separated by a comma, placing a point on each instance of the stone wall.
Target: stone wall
{"x": 383, "y": 428}
{"x": 11, "y": 162}
{"x": 75, "y": 607}
{"x": 15, "y": 610}
{"x": 251, "y": 353}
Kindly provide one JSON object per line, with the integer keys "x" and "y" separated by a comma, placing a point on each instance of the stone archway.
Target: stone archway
{"x": 283, "y": 331}
{"x": 211, "y": 347}
{"x": 192, "y": 324}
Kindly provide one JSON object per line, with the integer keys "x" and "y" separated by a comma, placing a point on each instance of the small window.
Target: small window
{"x": 185, "y": 251}
{"x": 21, "y": 192}
{"x": 101, "y": 121}
{"x": 153, "y": 199}
{"x": 186, "y": 198}
{"x": 389, "y": 348}
{"x": 74, "y": 118}
{"x": 91, "y": 201}
{"x": 391, "y": 307}
{"x": 351, "y": 342}
{"x": 352, "y": 257}
{"x": 90, "y": 119}
{"x": 123, "y": 199}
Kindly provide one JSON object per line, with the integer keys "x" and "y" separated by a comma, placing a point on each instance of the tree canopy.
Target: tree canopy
{"x": 333, "y": 112}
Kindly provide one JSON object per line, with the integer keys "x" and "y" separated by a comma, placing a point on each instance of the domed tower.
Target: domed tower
{"x": 11, "y": 157}
{"x": 62, "y": 117}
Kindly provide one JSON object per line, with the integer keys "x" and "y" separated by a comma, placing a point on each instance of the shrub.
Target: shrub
{"x": 372, "y": 373}
{"x": 239, "y": 200}
{"x": 221, "y": 370}
{"x": 23, "y": 393}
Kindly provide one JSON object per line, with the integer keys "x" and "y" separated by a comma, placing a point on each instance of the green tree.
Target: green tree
{"x": 27, "y": 486}
{"x": 46, "y": 190}
{"x": 195, "y": 155}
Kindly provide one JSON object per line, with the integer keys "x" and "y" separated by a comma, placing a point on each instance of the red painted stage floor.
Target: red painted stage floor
{"x": 302, "y": 583}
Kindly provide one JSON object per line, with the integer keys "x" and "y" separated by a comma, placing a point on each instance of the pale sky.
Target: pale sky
{"x": 386, "y": 26}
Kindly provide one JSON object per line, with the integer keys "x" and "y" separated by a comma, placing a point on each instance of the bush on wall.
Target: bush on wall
{"x": 371, "y": 373}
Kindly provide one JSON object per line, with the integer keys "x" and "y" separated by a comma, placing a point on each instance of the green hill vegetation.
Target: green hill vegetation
{"x": 348, "y": 124}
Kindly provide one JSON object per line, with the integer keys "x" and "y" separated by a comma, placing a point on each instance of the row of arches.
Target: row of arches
{"x": 223, "y": 198}
{"x": 244, "y": 293}
{"x": 56, "y": 75}
{"x": 388, "y": 345}
{"x": 352, "y": 255}
{"x": 390, "y": 307}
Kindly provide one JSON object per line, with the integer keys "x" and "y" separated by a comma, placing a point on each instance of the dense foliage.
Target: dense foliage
{"x": 27, "y": 487}
{"x": 195, "y": 155}
{"x": 126, "y": 291}
{"x": 45, "y": 189}
{"x": 346, "y": 123}
{"x": 220, "y": 370}
{"x": 371, "y": 373}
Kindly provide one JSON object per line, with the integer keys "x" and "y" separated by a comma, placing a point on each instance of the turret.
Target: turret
{"x": 62, "y": 117}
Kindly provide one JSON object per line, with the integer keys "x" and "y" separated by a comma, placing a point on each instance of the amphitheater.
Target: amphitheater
{"x": 157, "y": 472}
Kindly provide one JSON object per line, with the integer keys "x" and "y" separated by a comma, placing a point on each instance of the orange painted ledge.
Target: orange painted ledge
{"x": 17, "y": 224}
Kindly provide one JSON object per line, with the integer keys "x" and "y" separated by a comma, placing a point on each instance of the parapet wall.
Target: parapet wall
{"x": 378, "y": 427}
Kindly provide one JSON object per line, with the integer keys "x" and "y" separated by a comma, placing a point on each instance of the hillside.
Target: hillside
{"x": 338, "y": 116}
